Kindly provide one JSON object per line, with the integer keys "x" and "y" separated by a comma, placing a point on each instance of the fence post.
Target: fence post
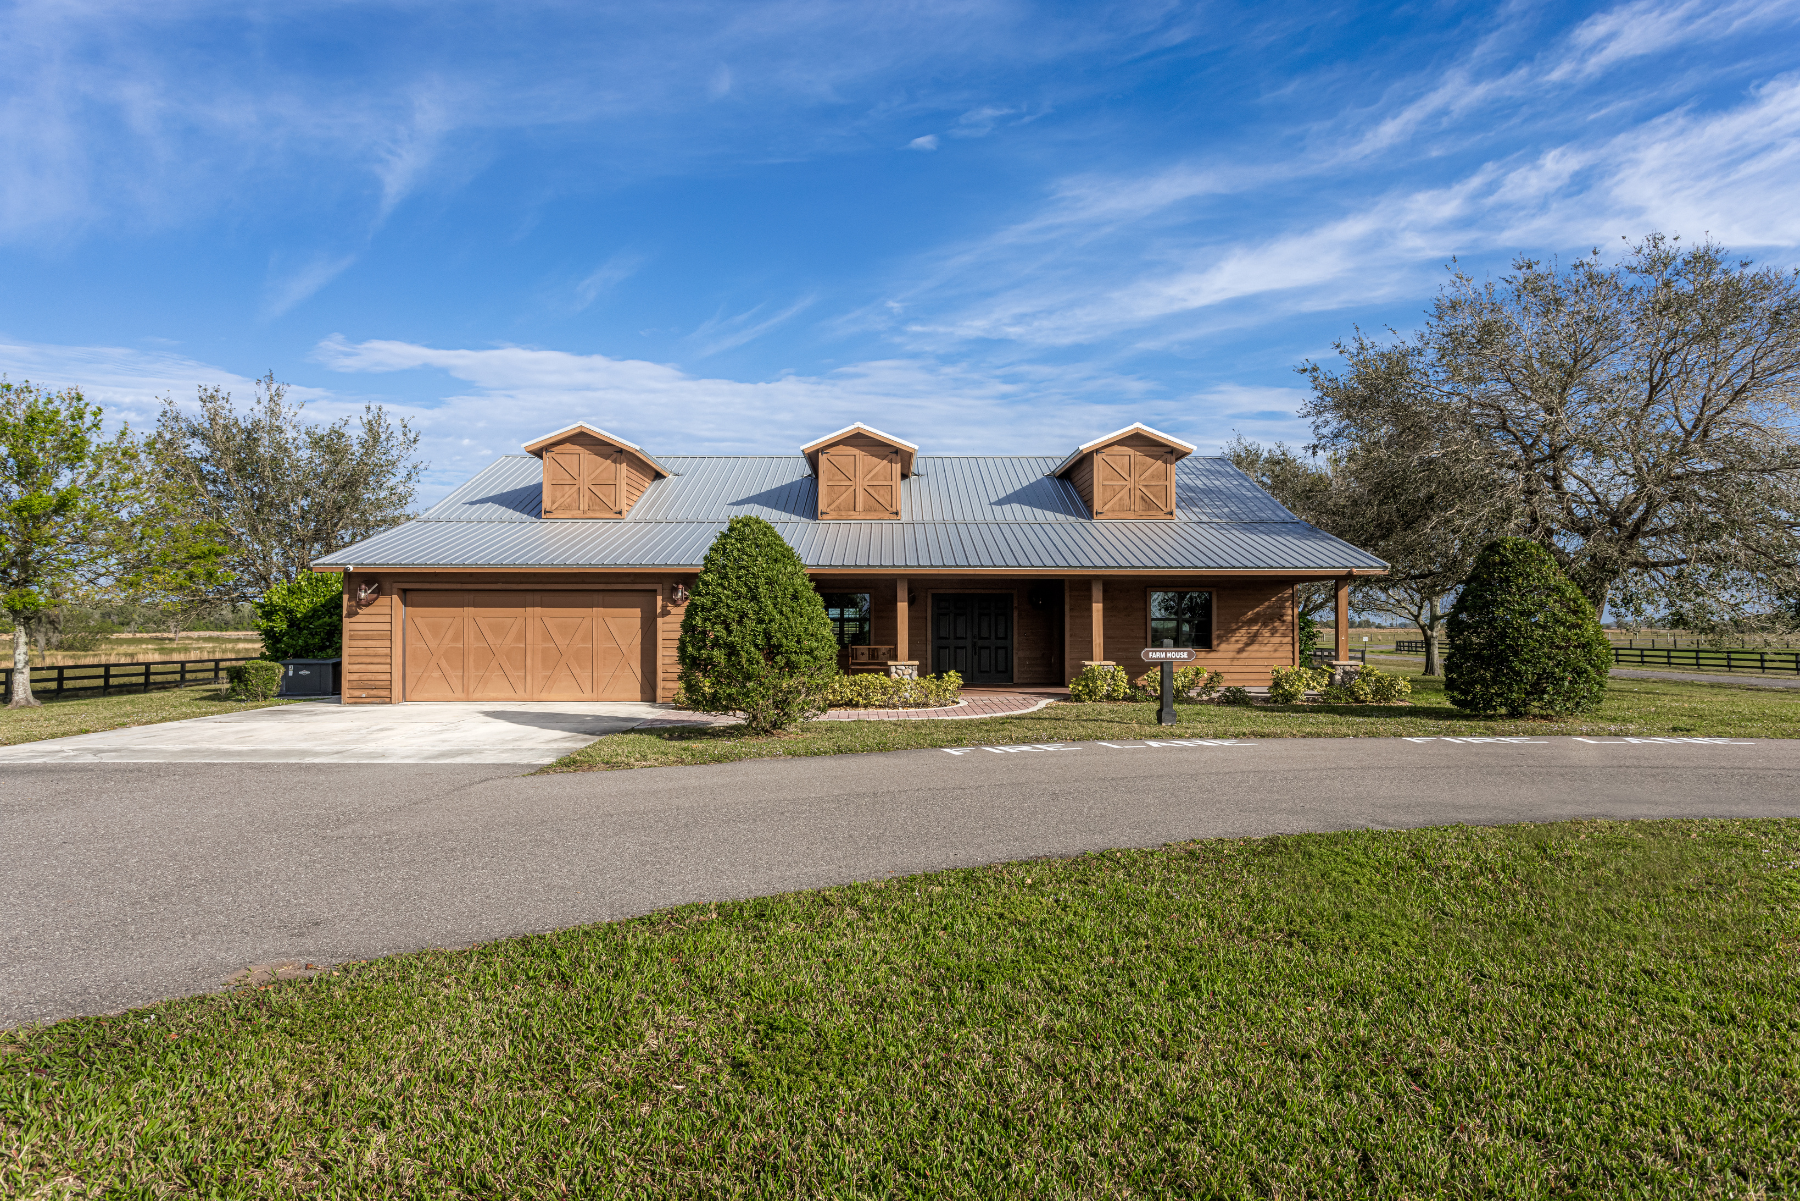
{"x": 7, "y": 696}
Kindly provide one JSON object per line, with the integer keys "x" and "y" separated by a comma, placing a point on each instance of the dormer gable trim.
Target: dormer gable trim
{"x": 1136, "y": 427}
{"x": 907, "y": 449}
{"x": 536, "y": 448}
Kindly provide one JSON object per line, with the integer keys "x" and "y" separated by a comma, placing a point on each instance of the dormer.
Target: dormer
{"x": 590, "y": 473}
{"x": 1128, "y": 475}
{"x": 859, "y": 470}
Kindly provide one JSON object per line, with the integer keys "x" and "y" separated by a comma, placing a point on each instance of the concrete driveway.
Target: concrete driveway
{"x": 327, "y": 732}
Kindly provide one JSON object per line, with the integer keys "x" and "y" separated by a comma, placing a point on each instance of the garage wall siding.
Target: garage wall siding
{"x": 373, "y": 635}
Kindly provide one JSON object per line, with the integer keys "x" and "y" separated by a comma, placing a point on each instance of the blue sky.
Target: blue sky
{"x": 731, "y": 227}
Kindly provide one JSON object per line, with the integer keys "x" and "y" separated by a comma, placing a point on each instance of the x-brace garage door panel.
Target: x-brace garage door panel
{"x": 530, "y": 646}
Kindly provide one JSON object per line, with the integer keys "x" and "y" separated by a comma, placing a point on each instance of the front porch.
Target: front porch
{"x": 1032, "y": 632}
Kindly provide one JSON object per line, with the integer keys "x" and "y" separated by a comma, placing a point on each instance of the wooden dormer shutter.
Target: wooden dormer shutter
{"x": 840, "y": 479}
{"x": 562, "y": 481}
{"x": 605, "y": 479}
{"x": 878, "y": 492}
{"x": 1153, "y": 496}
{"x": 1113, "y": 484}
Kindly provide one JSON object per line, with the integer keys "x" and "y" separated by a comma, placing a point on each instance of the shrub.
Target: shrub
{"x": 1191, "y": 684}
{"x": 257, "y": 680}
{"x": 1097, "y": 683}
{"x": 1289, "y": 685}
{"x": 755, "y": 639}
{"x": 1525, "y": 639}
{"x": 1235, "y": 695}
{"x": 868, "y": 690}
{"x": 1369, "y": 686}
{"x": 303, "y": 618}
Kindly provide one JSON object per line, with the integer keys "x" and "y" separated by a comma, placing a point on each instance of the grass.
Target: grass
{"x": 1633, "y": 707}
{"x": 1590, "y": 1009}
{"x": 92, "y": 714}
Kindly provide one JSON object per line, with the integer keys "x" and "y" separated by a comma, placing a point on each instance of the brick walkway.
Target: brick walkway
{"x": 982, "y": 704}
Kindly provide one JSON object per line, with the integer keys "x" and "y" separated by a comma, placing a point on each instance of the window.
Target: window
{"x": 1183, "y": 617}
{"x": 849, "y": 613}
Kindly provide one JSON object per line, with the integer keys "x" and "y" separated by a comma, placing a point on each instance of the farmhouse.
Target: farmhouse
{"x": 561, "y": 573}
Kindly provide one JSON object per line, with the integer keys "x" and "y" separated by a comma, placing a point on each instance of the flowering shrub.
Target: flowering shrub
{"x": 871, "y": 690}
{"x": 1097, "y": 683}
{"x": 1289, "y": 685}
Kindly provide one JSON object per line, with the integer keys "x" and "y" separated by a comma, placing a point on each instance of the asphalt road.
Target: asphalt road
{"x": 121, "y": 884}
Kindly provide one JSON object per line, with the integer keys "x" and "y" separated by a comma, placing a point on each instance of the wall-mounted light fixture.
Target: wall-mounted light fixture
{"x": 680, "y": 595}
{"x": 367, "y": 592}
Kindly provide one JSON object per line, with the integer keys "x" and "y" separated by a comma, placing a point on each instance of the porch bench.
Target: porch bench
{"x": 870, "y": 658}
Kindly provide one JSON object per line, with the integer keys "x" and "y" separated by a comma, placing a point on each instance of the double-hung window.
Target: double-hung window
{"x": 1184, "y": 618}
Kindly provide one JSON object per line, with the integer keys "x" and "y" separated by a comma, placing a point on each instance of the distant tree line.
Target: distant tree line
{"x": 1638, "y": 421}
{"x": 187, "y": 525}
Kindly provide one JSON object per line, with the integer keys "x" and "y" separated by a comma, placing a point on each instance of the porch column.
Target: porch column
{"x": 1343, "y": 669}
{"x": 902, "y": 623}
{"x": 1097, "y": 620}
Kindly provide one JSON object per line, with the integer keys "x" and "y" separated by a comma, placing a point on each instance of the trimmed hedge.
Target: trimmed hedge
{"x": 303, "y": 618}
{"x": 255, "y": 680}
{"x": 1370, "y": 686}
{"x": 1097, "y": 683}
{"x": 1526, "y": 641}
{"x": 872, "y": 690}
{"x": 1289, "y": 685}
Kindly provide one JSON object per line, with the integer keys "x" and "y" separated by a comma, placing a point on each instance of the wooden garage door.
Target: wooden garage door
{"x": 530, "y": 646}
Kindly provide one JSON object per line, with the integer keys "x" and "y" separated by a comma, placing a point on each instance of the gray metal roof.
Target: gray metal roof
{"x": 988, "y": 511}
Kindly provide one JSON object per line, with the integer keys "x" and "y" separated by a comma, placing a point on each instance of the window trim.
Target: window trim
{"x": 1212, "y": 615}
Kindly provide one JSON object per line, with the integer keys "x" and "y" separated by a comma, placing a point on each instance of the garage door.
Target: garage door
{"x": 530, "y": 646}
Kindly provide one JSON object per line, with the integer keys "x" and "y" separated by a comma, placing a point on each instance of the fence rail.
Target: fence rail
{"x": 1326, "y": 654}
{"x": 106, "y": 678}
{"x": 1693, "y": 658}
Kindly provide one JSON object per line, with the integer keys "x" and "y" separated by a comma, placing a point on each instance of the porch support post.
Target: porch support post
{"x": 902, "y": 622}
{"x": 1343, "y": 668}
{"x": 1097, "y": 620}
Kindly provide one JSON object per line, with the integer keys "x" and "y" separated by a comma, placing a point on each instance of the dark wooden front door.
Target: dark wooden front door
{"x": 972, "y": 635}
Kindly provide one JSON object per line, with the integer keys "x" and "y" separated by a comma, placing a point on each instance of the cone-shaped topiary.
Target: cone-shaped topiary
{"x": 1523, "y": 639}
{"x": 755, "y": 639}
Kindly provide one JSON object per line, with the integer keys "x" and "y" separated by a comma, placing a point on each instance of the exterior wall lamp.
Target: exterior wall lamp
{"x": 680, "y": 595}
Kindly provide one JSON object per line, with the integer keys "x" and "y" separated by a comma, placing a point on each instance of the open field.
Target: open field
{"x": 1592, "y": 1009}
{"x": 141, "y": 648}
{"x": 89, "y": 715}
{"x": 1640, "y": 707}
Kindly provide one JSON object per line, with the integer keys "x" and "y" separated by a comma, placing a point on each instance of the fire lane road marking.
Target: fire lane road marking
{"x": 1520, "y": 741}
{"x": 1117, "y": 746}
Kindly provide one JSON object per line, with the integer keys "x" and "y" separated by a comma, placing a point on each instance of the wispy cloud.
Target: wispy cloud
{"x": 927, "y": 142}
{"x": 289, "y": 288}
{"x": 725, "y": 333}
{"x": 612, "y": 272}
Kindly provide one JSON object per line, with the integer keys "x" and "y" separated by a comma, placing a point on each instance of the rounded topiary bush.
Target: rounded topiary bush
{"x": 1523, "y": 639}
{"x": 755, "y": 639}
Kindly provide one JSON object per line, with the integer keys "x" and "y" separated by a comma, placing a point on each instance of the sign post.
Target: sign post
{"x": 1168, "y": 654}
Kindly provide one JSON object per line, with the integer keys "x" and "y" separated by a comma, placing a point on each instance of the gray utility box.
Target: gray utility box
{"x": 310, "y": 677}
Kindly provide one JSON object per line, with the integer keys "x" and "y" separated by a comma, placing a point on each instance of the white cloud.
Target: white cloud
{"x": 607, "y": 275}
{"x": 725, "y": 333}
{"x": 290, "y": 289}
{"x": 928, "y": 142}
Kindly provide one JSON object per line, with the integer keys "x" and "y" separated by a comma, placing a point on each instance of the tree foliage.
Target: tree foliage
{"x": 69, "y": 499}
{"x": 1524, "y": 638}
{"x": 286, "y": 491}
{"x": 1637, "y": 421}
{"x": 303, "y": 618}
{"x": 755, "y": 639}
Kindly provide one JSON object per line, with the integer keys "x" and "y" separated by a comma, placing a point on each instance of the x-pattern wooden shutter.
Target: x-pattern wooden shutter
{"x": 562, "y": 481}
{"x": 605, "y": 479}
{"x": 1155, "y": 485}
{"x": 880, "y": 486}
{"x": 838, "y": 480}
{"x": 1113, "y": 483}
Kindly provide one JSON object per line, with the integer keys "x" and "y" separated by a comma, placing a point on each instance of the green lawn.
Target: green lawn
{"x": 1640, "y": 707}
{"x": 1590, "y": 1009}
{"x": 90, "y": 715}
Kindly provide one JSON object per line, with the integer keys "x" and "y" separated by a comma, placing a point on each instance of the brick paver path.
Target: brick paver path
{"x": 985, "y": 704}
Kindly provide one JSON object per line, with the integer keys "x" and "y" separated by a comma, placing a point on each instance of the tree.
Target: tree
{"x": 1527, "y": 640}
{"x": 755, "y": 639}
{"x": 180, "y": 573}
{"x": 67, "y": 498}
{"x": 283, "y": 490}
{"x": 303, "y": 618}
{"x": 1423, "y": 520}
{"x": 1637, "y": 421}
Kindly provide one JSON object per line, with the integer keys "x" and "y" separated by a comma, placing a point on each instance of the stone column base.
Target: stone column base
{"x": 1343, "y": 673}
{"x": 1098, "y": 663}
{"x": 907, "y": 669}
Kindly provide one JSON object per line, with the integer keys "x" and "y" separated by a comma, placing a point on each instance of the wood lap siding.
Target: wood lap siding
{"x": 368, "y": 652}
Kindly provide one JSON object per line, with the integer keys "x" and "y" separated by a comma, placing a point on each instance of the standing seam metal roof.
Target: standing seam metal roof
{"x": 989, "y": 511}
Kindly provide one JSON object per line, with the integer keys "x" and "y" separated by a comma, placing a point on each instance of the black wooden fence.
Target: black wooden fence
{"x": 1693, "y": 658}
{"x": 107, "y": 678}
{"x": 1326, "y": 655}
